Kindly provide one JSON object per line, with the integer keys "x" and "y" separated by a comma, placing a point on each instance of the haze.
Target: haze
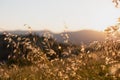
{"x": 54, "y": 14}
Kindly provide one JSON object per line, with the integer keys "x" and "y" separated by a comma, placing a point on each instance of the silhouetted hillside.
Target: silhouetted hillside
{"x": 76, "y": 37}
{"x": 85, "y": 36}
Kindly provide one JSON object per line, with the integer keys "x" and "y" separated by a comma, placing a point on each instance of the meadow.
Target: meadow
{"x": 32, "y": 57}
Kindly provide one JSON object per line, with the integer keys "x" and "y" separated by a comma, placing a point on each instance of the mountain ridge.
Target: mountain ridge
{"x": 75, "y": 37}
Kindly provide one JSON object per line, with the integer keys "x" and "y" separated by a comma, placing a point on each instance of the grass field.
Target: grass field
{"x": 59, "y": 61}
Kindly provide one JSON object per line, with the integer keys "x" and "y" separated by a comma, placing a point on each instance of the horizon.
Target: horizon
{"x": 55, "y": 15}
{"x": 18, "y": 31}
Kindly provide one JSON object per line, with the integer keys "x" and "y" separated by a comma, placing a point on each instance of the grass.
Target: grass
{"x": 81, "y": 67}
{"x": 34, "y": 58}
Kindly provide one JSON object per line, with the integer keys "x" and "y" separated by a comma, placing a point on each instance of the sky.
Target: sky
{"x": 53, "y": 15}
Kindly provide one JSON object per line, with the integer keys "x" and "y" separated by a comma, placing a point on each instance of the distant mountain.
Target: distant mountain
{"x": 76, "y": 37}
{"x": 84, "y": 36}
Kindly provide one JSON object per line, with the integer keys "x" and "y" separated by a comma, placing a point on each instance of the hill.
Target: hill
{"x": 76, "y": 37}
{"x": 84, "y": 36}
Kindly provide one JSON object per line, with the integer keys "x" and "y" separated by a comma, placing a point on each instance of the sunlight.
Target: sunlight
{"x": 51, "y": 15}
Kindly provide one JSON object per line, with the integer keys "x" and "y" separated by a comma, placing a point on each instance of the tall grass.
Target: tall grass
{"x": 34, "y": 58}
